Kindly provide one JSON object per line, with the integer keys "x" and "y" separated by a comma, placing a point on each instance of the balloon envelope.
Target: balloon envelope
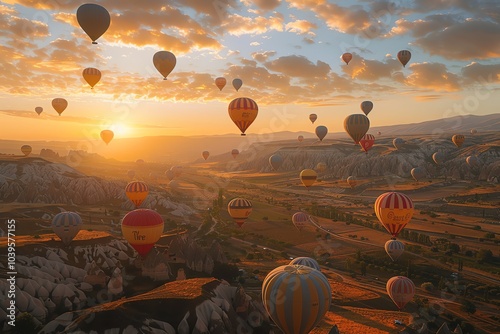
{"x": 398, "y": 143}
{"x": 473, "y": 161}
{"x": 93, "y": 19}
{"x": 313, "y": 118}
{"x": 59, "y": 105}
{"x": 26, "y": 149}
{"x": 300, "y": 138}
{"x": 356, "y": 126}
{"x": 367, "y": 142}
{"x": 235, "y": 153}
{"x": 438, "y": 158}
{"x": 205, "y": 154}
{"x": 296, "y": 297}
{"x": 308, "y": 177}
{"x": 306, "y": 261}
{"x": 458, "y": 140}
{"x": 107, "y": 136}
{"x": 394, "y": 248}
{"x": 239, "y": 209}
{"x": 366, "y": 107}
{"x": 92, "y": 76}
{"x": 38, "y": 110}
{"x": 300, "y": 220}
{"x": 237, "y": 83}
{"x": 275, "y": 161}
{"x": 177, "y": 170}
{"x": 164, "y": 61}
{"x": 321, "y": 132}
{"x": 401, "y": 290}
{"x": 404, "y": 57}
{"x": 321, "y": 167}
{"x": 418, "y": 173}
{"x": 394, "y": 210}
{"x": 220, "y": 82}
{"x": 142, "y": 228}
{"x": 137, "y": 191}
{"x": 169, "y": 174}
{"x": 66, "y": 225}
{"x": 473, "y": 131}
{"x": 351, "y": 181}
{"x": 347, "y": 57}
{"x": 243, "y": 111}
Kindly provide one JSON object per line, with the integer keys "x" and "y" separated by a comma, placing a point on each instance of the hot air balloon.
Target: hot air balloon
{"x": 351, "y": 181}
{"x": 321, "y": 167}
{"x": 306, "y": 261}
{"x": 164, "y": 61}
{"x": 66, "y": 225}
{"x": 93, "y": 19}
{"x": 379, "y": 133}
{"x": 131, "y": 174}
{"x": 239, "y": 209}
{"x": 235, "y": 153}
{"x": 174, "y": 185}
{"x": 398, "y": 143}
{"x": 237, "y": 83}
{"x": 347, "y": 57}
{"x": 404, "y": 57}
{"x": 92, "y": 76}
{"x": 321, "y": 132}
{"x": 26, "y": 149}
{"x": 473, "y": 131}
{"x": 401, "y": 290}
{"x": 438, "y": 158}
{"x": 473, "y": 161}
{"x": 308, "y": 177}
{"x": 300, "y": 220}
{"x": 205, "y": 154}
{"x": 107, "y": 136}
{"x": 220, "y": 82}
{"x": 394, "y": 210}
{"x": 142, "y": 228}
{"x": 38, "y": 110}
{"x": 139, "y": 161}
{"x": 458, "y": 140}
{"x": 296, "y": 297}
{"x": 137, "y": 192}
{"x": 418, "y": 173}
{"x": 300, "y": 138}
{"x": 169, "y": 174}
{"x": 366, "y": 107}
{"x": 367, "y": 142}
{"x": 59, "y": 105}
{"x": 243, "y": 112}
{"x": 313, "y": 118}
{"x": 394, "y": 248}
{"x": 275, "y": 161}
{"x": 356, "y": 126}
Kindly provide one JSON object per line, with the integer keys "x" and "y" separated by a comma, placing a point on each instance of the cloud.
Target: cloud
{"x": 263, "y": 56}
{"x": 471, "y": 39}
{"x": 238, "y": 25}
{"x": 300, "y": 27}
{"x": 483, "y": 74}
{"x": 428, "y": 97}
{"x": 433, "y": 76}
{"x": 298, "y": 66}
{"x": 371, "y": 70}
{"x": 420, "y": 28}
{"x": 264, "y": 5}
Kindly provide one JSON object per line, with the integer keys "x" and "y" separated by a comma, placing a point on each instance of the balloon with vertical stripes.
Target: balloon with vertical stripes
{"x": 66, "y": 226}
{"x": 394, "y": 248}
{"x": 300, "y": 220}
{"x": 239, "y": 209}
{"x": 401, "y": 290}
{"x": 92, "y": 76}
{"x": 306, "y": 261}
{"x": 243, "y": 111}
{"x": 296, "y": 297}
{"x": 137, "y": 191}
{"x": 394, "y": 210}
{"x": 356, "y": 126}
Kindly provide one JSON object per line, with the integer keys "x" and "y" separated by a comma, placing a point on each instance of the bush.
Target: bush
{"x": 36, "y": 236}
{"x": 427, "y": 286}
{"x": 250, "y": 256}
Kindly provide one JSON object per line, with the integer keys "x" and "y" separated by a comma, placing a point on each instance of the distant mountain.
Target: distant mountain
{"x": 179, "y": 149}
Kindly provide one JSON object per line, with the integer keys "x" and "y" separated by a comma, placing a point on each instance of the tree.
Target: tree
{"x": 363, "y": 268}
{"x": 25, "y": 324}
{"x": 225, "y": 271}
{"x": 455, "y": 248}
{"x": 468, "y": 307}
{"x": 484, "y": 255}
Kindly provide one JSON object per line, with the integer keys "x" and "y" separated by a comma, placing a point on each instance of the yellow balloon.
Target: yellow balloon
{"x": 164, "y": 62}
{"x": 92, "y": 76}
{"x": 308, "y": 177}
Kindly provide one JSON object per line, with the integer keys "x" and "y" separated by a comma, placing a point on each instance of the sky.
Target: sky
{"x": 286, "y": 52}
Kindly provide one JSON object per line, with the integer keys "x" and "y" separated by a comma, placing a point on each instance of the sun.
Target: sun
{"x": 120, "y": 129}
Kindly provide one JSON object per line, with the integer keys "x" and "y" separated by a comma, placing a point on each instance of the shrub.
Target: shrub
{"x": 428, "y": 286}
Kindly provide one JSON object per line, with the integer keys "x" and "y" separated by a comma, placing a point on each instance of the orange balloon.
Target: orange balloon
{"x": 26, "y": 149}
{"x": 347, "y": 57}
{"x": 142, "y": 228}
{"x": 394, "y": 210}
{"x": 243, "y": 111}
{"x": 458, "y": 140}
{"x": 107, "y": 136}
{"x": 59, "y": 105}
{"x": 220, "y": 82}
{"x": 205, "y": 155}
{"x": 137, "y": 192}
{"x": 92, "y": 76}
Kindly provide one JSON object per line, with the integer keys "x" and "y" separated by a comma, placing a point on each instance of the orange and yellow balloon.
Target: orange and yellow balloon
{"x": 458, "y": 140}
{"x": 26, "y": 149}
{"x": 243, "y": 111}
{"x": 394, "y": 210}
{"x": 142, "y": 228}
{"x": 308, "y": 177}
{"x": 239, "y": 209}
{"x": 137, "y": 191}
{"x": 92, "y": 76}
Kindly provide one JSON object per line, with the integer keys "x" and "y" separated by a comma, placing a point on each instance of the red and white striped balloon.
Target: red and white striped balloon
{"x": 401, "y": 290}
{"x": 394, "y": 210}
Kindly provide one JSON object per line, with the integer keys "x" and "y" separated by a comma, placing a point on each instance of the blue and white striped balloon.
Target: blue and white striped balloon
{"x": 306, "y": 261}
{"x": 296, "y": 297}
{"x": 66, "y": 225}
